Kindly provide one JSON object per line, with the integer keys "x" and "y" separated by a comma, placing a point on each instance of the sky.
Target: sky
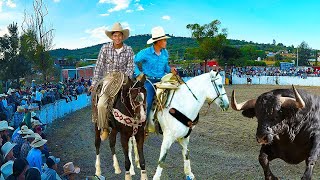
{"x": 81, "y": 23}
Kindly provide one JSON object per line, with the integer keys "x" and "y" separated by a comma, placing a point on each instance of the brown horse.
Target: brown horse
{"x": 128, "y": 118}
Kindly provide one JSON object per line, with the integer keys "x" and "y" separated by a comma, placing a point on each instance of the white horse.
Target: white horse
{"x": 188, "y": 99}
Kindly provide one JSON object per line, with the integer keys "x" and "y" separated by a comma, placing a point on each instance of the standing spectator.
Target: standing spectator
{"x": 34, "y": 157}
{"x": 26, "y": 147}
{"x": 4, "y": 127}
{"x": 6, "y": 170}
{"x": 70, "y": 171}
{"x": 19, "y": 140}
{"x": 7, "y": 151}
{"x": 20, "y": 167}
{"x": 33, "y": 174}
{"x": 38, "y": 98}
{"x": 18, "y": 116}
{"x": 51, "y": 172}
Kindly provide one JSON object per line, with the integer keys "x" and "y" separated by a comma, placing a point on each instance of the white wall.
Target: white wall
{"x": 60, "y": 108}
{"x": 280, "y": 80}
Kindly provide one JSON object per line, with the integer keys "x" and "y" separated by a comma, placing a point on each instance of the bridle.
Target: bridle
{"x": 216, "y": 88}
{"x": 137, "y": 99}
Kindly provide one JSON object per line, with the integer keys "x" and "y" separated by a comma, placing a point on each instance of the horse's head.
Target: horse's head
{"x": 137, "y": 95}
{"x": 216, "y": 91}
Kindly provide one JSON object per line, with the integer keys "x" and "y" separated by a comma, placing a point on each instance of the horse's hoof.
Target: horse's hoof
{"x": 128, "y": 176}
{"x": 117, "y": 171}
{"x": 190, "y": 177}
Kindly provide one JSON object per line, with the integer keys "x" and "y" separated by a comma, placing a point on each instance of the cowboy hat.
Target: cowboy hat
{"x": 20, "y": 109}
{"x": 25, "y": 130}
{"x": 38, "y": 141}
{"x": 33, "y": 114}
{"x": 69, "y": 168}
{"x": 32, "y": 135}
{"x": 118, "y": 28}
{"x": 35, "y": 123}
{"x": 157, "y": 34}
{"x": 4, "y": 126}
{"x": 7, "y": 169}
{"x": 6, "y": 148}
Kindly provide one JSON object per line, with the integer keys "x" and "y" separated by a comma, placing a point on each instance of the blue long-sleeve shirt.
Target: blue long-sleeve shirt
{"x": 153, "y": 65}
{"x": 34, "y": 158}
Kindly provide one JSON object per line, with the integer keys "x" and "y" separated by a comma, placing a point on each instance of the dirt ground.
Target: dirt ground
{"x": 222, "y": 145}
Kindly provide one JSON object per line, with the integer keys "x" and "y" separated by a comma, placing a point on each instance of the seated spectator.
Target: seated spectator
{"x": 33, "y": 174}
{"x": 19, "y": 140}
{"x": 34, "y": 157}
{"x": 7, "y": 152}
{"x": 6, "y": 170}
{"x": 70, "y": 171}
{"x": 18, "y": 116}
{"x": 50, "y": 173}
{"x": 4, "y": 127}
{"x": 20, "y": 167}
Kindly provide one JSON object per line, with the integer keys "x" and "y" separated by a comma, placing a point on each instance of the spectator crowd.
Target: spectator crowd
{"x": 24, "y": 152}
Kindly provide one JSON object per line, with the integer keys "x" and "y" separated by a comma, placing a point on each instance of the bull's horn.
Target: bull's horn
{"x": 242, "y": 106}
{"x": 298, "y": 101}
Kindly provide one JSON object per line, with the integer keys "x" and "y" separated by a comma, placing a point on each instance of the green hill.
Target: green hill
{"x": 176, "y": 45}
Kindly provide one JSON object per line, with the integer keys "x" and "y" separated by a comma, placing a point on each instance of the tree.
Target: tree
{"x": 210, "y": 39}
{"x": 230, "y": 56}
{"x": 304, "y": 54}
{"x": 13, "y": 63}
{"x": 36, "y": 31}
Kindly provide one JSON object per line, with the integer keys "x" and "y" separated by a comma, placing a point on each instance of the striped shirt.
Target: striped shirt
{"x": 153, "y": 65}
{"x": 110, "y": 61}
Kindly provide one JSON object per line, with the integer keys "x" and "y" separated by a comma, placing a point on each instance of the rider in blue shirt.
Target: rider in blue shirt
{"x": 153, "y": 62}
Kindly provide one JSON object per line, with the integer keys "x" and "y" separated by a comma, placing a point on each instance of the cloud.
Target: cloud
{"x": 1, "y": 5}
{"x": 139, "y": 7}
{"x": 137, "y": 0}
{"x": 3, "y": 31}
{"x": 106, "y": 14}
{"x": 125, "y": 25}
{"x": 129, "y": 11}
{"x": 56, "y": 1}
{"x": 119, "y": 4}
{"x": 166, "y": 17}
{"x": 11, "y": 4}
{"x": 97, "y": 34}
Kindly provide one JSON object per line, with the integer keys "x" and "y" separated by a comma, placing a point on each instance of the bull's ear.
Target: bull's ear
{"x": 249, "y": 113}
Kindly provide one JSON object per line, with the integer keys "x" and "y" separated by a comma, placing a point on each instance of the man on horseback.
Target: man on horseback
{"x": 153, "y": 63}
{"x": 114, "y": 56}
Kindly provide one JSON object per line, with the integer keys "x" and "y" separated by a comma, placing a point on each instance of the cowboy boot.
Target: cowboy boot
{"x": 104, "y": 135}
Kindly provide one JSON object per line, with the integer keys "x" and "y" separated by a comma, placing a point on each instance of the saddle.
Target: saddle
{"x": 164, "y": 93}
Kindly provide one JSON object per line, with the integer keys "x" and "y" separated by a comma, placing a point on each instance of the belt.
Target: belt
{"x": 154, "y": 78}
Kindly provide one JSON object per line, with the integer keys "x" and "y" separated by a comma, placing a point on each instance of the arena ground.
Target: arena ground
{"x": 222, "y": 146}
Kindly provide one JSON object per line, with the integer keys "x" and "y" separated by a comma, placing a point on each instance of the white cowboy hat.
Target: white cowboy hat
{"x": 35, "y": 123}
{"x": 4, "y": 126}
{"x": 32, "y": 135}
{"x": 25, "y": 130}
{"x": 157, "y": 34}
{"x": 118, "y": 28}
{"x": 7, "y": 169}
{"x": 69, "y": 168}
{"x": 33, "y": 114}
{"x": 6, "y": 148}
{"x": 38, "y": 141}
{"x": 20, "y": 109}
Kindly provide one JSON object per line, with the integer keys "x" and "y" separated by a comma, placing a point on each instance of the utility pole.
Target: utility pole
{"x": 297, "y": 57}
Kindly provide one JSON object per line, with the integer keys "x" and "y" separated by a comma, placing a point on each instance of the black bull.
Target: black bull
{"x": 288, "y": 127}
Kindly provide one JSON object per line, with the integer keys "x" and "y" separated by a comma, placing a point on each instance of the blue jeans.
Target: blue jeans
{"x": 150, "y": 93}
